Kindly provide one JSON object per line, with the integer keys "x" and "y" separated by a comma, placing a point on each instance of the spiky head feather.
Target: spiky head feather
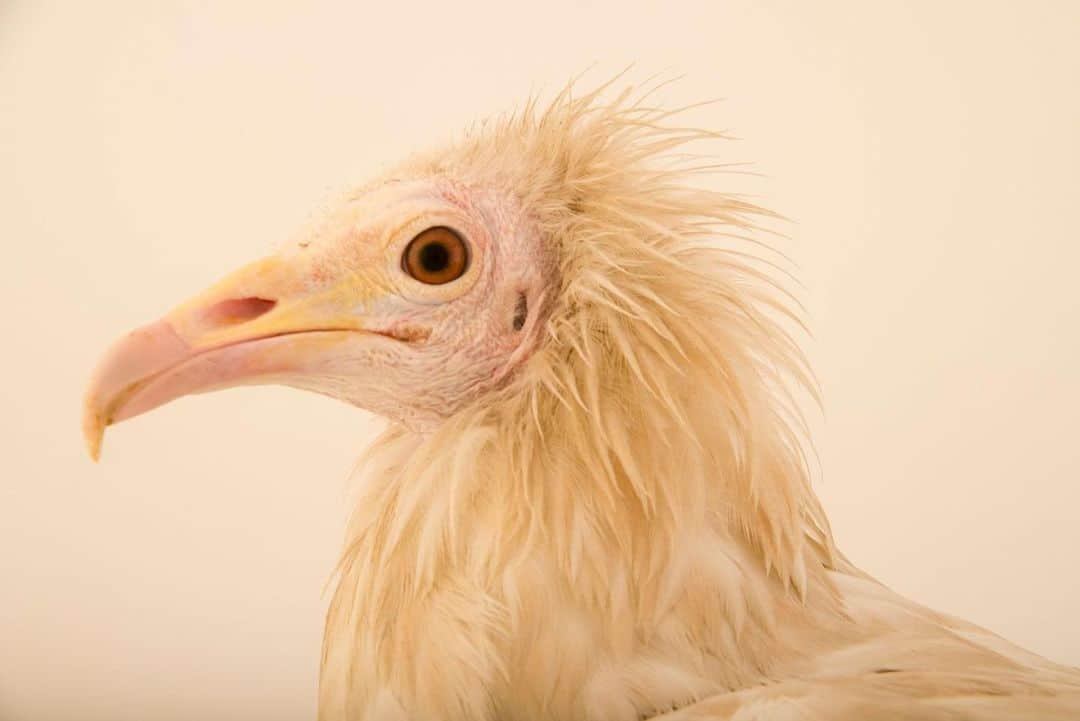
{"x": 648, "y": 456}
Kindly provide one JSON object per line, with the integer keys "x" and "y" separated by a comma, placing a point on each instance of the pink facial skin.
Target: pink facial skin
{"x": 335, "y": 312}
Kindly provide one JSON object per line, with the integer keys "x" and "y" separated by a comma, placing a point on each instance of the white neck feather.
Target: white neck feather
{"x": 631, "y": 517}
{"x": 575, "y": 489}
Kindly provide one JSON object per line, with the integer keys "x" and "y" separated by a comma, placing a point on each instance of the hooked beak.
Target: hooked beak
{"x": 263, "y": 324}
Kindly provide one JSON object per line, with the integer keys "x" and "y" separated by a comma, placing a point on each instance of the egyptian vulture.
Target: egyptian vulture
{"x": 591, "y": 501}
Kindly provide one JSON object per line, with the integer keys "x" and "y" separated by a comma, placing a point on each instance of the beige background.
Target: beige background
{"x": 927, "y": 152}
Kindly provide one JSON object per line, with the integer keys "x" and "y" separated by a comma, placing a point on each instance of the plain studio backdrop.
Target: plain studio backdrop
{"x": 926, "y": 153}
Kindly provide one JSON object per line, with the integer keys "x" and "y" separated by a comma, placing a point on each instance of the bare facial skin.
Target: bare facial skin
{"x": 336, "y": 311}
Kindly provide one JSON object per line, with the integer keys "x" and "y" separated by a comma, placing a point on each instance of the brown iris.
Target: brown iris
{"x": 437, "y": 255}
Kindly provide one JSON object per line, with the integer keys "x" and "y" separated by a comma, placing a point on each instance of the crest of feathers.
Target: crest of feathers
{"x": 661, "y": 407}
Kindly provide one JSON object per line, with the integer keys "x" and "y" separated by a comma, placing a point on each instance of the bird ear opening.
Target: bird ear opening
{"x": 521, "y": 311}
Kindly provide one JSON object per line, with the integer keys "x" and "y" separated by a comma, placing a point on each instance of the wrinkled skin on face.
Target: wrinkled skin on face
{"x": 336, "y": 312}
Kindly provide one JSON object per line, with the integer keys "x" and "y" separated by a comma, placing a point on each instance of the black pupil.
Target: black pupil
{"x": 434, "y": 257}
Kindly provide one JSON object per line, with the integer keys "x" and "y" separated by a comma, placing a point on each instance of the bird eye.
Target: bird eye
{"x": 436, "y": 256}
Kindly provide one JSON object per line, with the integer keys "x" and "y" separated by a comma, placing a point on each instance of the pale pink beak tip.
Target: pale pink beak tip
{"x": 134, "y": 358}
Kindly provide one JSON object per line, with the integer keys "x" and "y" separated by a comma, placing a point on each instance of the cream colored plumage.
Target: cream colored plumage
{"x": 629, "y": 527}
{"x": 622, "y": 525}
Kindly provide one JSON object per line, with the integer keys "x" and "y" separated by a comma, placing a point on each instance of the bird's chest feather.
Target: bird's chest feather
{"x": 523, "y": 640}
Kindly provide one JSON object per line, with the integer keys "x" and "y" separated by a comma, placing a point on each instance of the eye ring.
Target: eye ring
{"x": 436, "y": 256}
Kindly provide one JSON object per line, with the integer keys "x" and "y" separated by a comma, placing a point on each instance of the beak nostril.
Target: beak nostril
{"x": 238, "y": 310}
